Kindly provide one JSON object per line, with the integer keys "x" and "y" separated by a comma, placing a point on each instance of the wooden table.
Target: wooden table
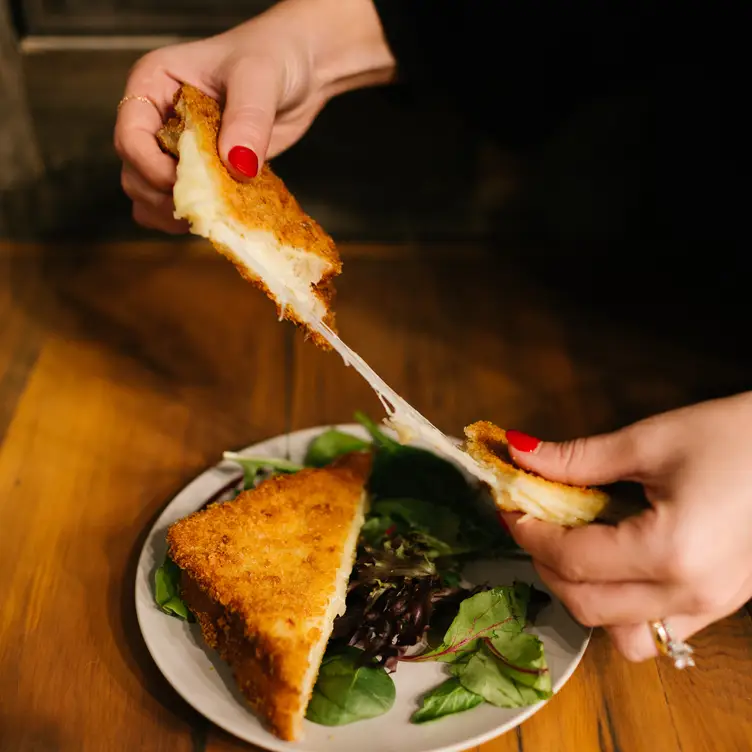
{"x": 126, "y": 370}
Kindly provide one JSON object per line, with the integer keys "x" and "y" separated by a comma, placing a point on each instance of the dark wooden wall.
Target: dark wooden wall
{"x": 20, "y": 160}
{"x": 634, "y": 178}
{"x": 184, "y": 17}
{"x": 375, "y": 165}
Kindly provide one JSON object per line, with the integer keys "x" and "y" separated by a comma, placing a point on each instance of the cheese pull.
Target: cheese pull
{"x": 275, "y": 245}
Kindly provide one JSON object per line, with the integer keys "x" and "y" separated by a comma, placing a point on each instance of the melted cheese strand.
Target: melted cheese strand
{"x": 402, "y": 416}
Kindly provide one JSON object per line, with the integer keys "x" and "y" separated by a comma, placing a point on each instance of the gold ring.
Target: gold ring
{"x": 138, "y": 98}
{"x": 679, "y": 652}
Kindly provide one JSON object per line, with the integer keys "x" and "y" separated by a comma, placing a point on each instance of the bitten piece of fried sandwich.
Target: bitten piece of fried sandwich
{"x": 266, "y": 575}
{"x": 258, "y": 224}
{"x": 516, "y": 490}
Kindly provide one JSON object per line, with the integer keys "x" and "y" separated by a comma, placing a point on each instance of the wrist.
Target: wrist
{"x": 343, "y": 42}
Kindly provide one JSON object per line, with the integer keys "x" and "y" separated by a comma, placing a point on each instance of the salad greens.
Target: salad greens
{"x": 401, "y": 471}
{"x": 490, "y": 655}
{"x": 331, "y": 444}
{"x": 167, "y": 589}
{"x": 448, "y": 698}
{"x": 252, "y": 466}
{"x": 348, "y": 690}
{"x": 406, "y": 601}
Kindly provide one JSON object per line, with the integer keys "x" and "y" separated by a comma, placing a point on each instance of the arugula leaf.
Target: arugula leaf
{"x": 347, "y": 690}
{"x": 378, "y": 436}
{"x": 331, "y": 444}
{"x": 483, "y": 675}
{"x": 252, "y": 466}
{"x": 167, "y": 589}
{"x": 482, "y": 615}
{"x": 522, "y": 658}
{"x": 446, "y": 699}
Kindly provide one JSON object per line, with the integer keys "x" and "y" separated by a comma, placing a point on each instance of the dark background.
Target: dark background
{"x": 634, "y": 200}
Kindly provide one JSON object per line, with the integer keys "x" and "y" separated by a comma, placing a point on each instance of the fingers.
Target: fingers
{"x": 592, "y": 553}
{"x": 635, "y": 641}
{"x": 253, "y": 93}
{"x": 136, "y": 144}
{"x": 138, "y": 189}
{"x": 597, "y": 604}
{"x": 596, "y": 460}
{"x": 138, "y": 122}
{"x": 159, "y": 217}
{"x": 151, "y": 208}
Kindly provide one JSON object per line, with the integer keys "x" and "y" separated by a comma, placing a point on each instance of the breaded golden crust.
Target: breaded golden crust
{"x": 258, "y": 574}
{"x": 263, "y": 203}
{"x": 168, "y": 136}
{"x": 519, "y": 490}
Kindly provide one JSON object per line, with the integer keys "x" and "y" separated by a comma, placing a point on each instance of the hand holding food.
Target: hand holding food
{"x": 273, "y": 74}
{"x": 687, "y": 559}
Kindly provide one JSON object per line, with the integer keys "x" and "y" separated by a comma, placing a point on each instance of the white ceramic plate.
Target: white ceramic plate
{"x": 204, "y": 682}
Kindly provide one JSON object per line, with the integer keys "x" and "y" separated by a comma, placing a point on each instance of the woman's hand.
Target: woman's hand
{"x": 688, "y": 559}
{"x": 273, "y": 73}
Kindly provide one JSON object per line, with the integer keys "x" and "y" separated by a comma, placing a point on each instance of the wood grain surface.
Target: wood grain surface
{"x": 126, "y": 370}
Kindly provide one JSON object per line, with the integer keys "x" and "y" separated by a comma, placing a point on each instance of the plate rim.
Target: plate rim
{"x": 278, "y": 745}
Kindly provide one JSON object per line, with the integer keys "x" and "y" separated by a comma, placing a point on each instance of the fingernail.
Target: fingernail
{"x": 244, "y": 160}
{"x": 522, "y": 442}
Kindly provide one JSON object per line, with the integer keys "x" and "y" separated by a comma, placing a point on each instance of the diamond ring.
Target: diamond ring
{"x": 679, "y": 652}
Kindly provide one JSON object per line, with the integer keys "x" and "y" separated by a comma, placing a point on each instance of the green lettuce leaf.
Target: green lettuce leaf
{"x": 482, "y": 615}
{"x": 446, "y": 699}
{"x": 483, "y": 675}
{"x": 522, "y": 658}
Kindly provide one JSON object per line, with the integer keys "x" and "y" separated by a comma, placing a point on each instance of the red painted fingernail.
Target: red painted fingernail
{"x": 522, "y": 442}
{"x": 244, "y": 160}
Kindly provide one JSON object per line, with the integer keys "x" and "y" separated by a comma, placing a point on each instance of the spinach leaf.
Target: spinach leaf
{"x": 252, "y": 466}
{"x": 348, "y": 690}
{"x": 401, "y": 471}
{"x": 406, "y": 471}
{"x": 521, "y": 657}
{"x": 417, "y": 473}
{"x": 167, "y": 589}
{"x": 327, "y": 446}
{"x": 446, "y": 699}
{"x": 483, "y": 675}
{"x": 482, "y": 615}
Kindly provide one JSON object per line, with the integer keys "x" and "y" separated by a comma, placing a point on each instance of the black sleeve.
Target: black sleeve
{"x": 543, "y": 55}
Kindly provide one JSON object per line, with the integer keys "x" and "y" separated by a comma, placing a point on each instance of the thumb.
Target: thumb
{"x": 252, "y": 96}
{"x": 596, "y": 460}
